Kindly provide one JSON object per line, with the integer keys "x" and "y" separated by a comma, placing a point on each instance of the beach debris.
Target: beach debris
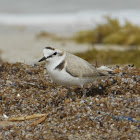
{"x": 118, "y": 118}
{"x": 4, "y": 124}
{"x": 5, "y": 116}
{"x": 22, "y": 118}
{"x": 117, "y": 69}
{"x": 39, "y": 120}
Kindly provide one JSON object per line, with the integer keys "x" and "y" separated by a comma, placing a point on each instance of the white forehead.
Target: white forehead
{"x": 48, "y": 52}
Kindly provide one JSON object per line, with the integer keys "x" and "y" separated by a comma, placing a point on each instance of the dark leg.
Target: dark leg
{"x": 69, "y": 94}
{"x": 84, "y": 91}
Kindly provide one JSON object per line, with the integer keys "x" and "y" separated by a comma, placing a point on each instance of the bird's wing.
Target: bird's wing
{"x": 78, "y": 67}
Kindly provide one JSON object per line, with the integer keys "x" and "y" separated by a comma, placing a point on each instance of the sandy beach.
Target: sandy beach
{"x": 33, "y": 107}
{"x": 27, "y": 48}
{"x": 18, "y": 45}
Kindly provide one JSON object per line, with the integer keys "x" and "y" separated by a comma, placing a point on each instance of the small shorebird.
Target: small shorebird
{"x": 67, "y": 69}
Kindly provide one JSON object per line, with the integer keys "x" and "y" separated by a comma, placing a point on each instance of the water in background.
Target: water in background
{"x": 65, "y": 15}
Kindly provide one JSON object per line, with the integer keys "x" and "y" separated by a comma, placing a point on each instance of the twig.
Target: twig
{"x": 27, "y": 117}
{"x": 39, "y": 121}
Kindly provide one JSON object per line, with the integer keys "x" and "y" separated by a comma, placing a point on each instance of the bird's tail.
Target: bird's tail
{"x": 105, "y": 71}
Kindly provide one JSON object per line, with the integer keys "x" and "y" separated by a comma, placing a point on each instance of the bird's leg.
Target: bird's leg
{"x": 84, "y": 91}
{"x": 69, "y": 94}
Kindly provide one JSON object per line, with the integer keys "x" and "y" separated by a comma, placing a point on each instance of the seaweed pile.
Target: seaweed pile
{"x": 110, "y": 32}
{"x": 111, "y": 57}
{"x": 110, "y": 110}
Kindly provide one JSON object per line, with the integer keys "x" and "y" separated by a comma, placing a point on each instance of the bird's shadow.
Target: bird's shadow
{"x": 93, "y": 91}
{"x": 96, "y": 91}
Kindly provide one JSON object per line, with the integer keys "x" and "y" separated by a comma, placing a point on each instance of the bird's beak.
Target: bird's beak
{"x": 42, "y": 59}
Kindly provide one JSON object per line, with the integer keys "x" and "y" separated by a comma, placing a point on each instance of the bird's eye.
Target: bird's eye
{"x": 55, "y": 53}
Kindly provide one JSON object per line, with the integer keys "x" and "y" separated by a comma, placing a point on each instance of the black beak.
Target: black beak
{"x": 42, "y": 59}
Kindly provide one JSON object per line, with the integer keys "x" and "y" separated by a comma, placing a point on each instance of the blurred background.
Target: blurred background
{"x": 102, "y": 31}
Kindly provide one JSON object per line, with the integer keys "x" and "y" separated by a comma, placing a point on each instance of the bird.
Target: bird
{"x": 70, "y": 70}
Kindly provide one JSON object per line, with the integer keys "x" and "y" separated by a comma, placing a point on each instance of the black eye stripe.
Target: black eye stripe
{"x": 52, "y": 55}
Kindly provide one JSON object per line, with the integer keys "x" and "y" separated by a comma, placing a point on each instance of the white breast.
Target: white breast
{"x": 64, "y": 78}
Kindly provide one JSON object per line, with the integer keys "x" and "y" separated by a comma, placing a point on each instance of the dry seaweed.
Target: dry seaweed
{"x": 112, "y": 57}
{"x": 111, "y": 32}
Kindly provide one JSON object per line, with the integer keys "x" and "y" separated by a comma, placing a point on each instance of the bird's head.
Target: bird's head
{"x": 51, "y": 54}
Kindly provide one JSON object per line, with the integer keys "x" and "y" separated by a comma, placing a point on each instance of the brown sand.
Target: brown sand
{"x": 109, "y": 112}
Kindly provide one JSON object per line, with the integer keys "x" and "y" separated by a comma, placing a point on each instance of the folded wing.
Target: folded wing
{"x": 78, "y": 67}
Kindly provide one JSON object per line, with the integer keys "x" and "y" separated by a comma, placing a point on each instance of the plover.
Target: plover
{"x": 67, "y": 69}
